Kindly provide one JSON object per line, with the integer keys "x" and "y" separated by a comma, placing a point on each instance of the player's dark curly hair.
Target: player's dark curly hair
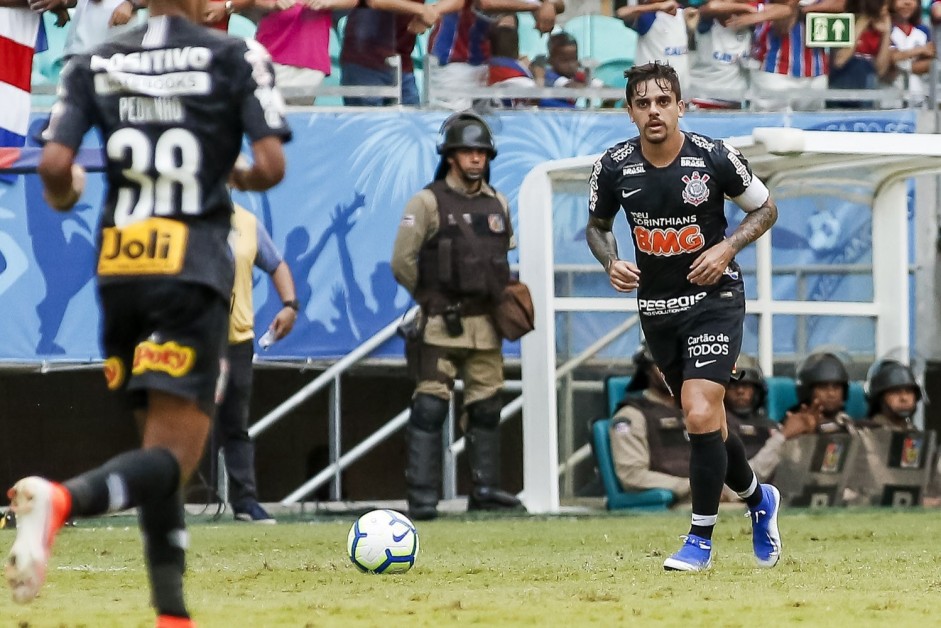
{"x": 664, "y": 74}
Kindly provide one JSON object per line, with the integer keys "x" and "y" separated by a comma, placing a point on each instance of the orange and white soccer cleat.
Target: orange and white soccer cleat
{"x": 41, "y": 509}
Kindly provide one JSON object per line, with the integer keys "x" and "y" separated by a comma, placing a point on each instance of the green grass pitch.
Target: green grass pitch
{"x": 840, "y": 568}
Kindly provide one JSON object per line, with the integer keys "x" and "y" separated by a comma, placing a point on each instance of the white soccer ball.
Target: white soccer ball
{"x": 383, "y": 541}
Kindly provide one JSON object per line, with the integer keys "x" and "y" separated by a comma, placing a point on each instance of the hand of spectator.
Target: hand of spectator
{"x": 317, "y": 5}
{"x": 742, "y": 20}
{"x": 545, "y": 17}
{"x": 669, "y": 6}
{"x": 884, "y": 23}
{"x": 691, "y": 17}
{"x": 284, "y": 5}
{"x": 62, "y": 17}
{"x": 215, "y": 12}
{"x": 624, "y": 275}
{"x": 927, "y": 51}
{"x": 264, "y": 6}
{"x": 416, "y": 26}
{"x": 430, "y": 14}
{"x": 122, "y": 14}
{"x": 38, "y": 6}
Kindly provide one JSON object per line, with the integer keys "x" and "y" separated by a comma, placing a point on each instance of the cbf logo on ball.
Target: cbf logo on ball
{"x": 707, "y": 344}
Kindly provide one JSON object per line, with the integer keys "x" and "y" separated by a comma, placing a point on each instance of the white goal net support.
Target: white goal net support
{"x": 872, "y": 171}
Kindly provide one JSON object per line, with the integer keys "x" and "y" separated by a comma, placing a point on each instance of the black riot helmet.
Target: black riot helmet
{"x": 885, "y": 375}
{"x": 821, "y": 368}
{"x": 464, "y": 130}
{"x": 748, "y": 371}
{"x": 642, "y": 360}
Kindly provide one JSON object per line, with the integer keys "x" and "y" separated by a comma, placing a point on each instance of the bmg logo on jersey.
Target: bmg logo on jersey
{"x": 667, "y": 242}
{"x": 707, "y": 344}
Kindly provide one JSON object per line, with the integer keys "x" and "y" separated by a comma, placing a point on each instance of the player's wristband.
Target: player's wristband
{"x": 293, "y": 304}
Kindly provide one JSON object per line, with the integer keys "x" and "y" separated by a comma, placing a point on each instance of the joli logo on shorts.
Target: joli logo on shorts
{"x": 708, "y": 344}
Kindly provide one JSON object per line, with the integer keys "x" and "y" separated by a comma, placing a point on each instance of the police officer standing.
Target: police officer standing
{"x": 451, "y": 255}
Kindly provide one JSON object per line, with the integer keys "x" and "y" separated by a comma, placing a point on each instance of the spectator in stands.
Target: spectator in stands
{"x": 94, "y": 21}
{"x": 460, "y": 43}
{"x": 785, "y": 64}
{"x": 506, "y": 67}
{"x": 297, "y": 34}
{"x": 870, "y": 60}
{"x": 935, "y": 12}
{"x": 893, "y": 394}
{"x": 720, "y": 63}
{"x": 377, "y": 30}
{"x": 562, "y": 69}
{"x": 822, "y": 389}
{"x": 912, "y": 48}
{"x": 649, "y": 444}
{"x": 663, "y": 30}
{"x": 745, "y": 413}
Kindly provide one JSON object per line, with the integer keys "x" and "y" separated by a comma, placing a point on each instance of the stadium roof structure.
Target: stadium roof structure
{"x": 883, "y": 161}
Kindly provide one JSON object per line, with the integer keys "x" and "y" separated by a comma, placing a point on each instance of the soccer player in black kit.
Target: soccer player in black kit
{"x": 172, "y": 100}
{"x": 672, "y": 187}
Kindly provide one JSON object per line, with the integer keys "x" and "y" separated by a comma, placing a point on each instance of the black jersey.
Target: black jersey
{"x": 172, "y": 100}
{"x": 675, "y": 213}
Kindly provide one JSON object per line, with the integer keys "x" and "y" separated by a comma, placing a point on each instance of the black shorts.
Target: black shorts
{"x": 702, "y": 343}
{"x": 164, "y": 335}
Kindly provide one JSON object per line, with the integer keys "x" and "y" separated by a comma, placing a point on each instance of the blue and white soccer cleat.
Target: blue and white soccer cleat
{"x": 766, "y": 539}
{"x": 695, "y": 555}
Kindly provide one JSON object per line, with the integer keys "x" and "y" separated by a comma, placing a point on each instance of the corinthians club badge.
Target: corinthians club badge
{"x": 696, "y": 191}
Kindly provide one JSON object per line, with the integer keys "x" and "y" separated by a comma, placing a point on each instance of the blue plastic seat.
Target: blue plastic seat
{"x": 612, "y": 72}
{"x": 241, "y": 26}
{"x": 615, "y": 386}
{"x": 602, "y": 38}
{"x": 617, "y": 497}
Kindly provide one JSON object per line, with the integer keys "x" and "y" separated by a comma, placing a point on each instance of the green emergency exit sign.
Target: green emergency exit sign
{"x": 830, "y": 30}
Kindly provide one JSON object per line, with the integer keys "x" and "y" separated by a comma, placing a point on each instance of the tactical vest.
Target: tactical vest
{"x": 753, "y": 433}
{"x": 666, "y": 436}
{"x": 464, "y": 265}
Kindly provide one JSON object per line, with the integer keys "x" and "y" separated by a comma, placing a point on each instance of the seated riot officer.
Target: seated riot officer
{"x": 649, "y": 444}
{"x": 893, "y": 395}
{"x": 822, "y": 388}
{"x": 745, "y": 413}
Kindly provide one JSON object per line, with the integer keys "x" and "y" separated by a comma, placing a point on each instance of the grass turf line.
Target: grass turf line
{"x": 859, "y": 568}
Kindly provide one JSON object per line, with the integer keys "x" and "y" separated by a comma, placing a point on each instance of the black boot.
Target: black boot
{"x": 424, "y": 448}
{"x": 483, "y": 450}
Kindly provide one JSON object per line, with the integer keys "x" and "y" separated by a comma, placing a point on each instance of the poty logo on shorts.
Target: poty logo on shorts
{"x": 707, "y": 344}
{"x": 667, "y": 242}
{"x": 169, "y": 357}
{"x": 696, "y": 191}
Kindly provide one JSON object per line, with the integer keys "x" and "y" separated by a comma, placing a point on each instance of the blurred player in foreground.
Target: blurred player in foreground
{"x": 172, "y": 101}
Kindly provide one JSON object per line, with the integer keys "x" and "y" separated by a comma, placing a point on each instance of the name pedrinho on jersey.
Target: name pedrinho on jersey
{"x": 675, "y": 213}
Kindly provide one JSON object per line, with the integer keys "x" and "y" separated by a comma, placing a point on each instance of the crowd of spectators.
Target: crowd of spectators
{"x": 726, "y": 52}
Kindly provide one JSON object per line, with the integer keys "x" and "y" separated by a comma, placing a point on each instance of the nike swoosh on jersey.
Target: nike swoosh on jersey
{"x": 629, "y": 193}
{"x": 699, "y": 364}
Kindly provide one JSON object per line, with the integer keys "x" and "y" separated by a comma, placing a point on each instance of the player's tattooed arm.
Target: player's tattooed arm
{"x": 601, "y": 240}
{"x": 755, "y": 224}
{"x": 624, "y": 275}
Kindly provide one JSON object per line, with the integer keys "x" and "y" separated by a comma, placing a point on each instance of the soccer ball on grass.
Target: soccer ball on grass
{"x": 383, "y": 541}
